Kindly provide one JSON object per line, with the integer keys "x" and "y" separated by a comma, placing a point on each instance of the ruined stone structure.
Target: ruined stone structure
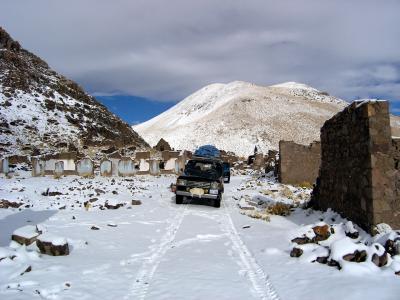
{"x": 114, "y": 158}
{"x": 154, "y": 167}
{"x": 358, "y": 175}
{"x": 142, "y": 155}
{"x": 142, "y": 160}
{"x": 162, "y": 145}
{"x": 68, "y": 159}
{"x": 271, "y": 162}
{"x": 38, "y": 167}
{"x": 169, "y": 159}
{"x": 4, "y": 165}
{"x": 85, "y": 167}
{"x": 106, "y": 168}
{"x": 126, "y": 167}
{"x": 259, "y": 161}
{"x": 58, "y": 169}
{"x": 298, "y": 164}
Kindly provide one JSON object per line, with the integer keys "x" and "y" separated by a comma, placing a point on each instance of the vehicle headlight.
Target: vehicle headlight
{"x": 214, "y": 185}
{"x": 181, "y": 182}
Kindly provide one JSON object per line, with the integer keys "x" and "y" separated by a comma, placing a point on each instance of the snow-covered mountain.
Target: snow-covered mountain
{"x": 42, "y": 110}
{"x": 239, "y": 115}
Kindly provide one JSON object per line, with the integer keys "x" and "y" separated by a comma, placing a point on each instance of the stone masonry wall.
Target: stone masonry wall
{"x": 298, "y": 164}
{"x": 357, "y": 176}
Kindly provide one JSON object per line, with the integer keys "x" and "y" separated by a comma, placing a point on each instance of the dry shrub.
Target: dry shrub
{"x": 279, "y": 209}
{"x": 256, "y": 215}
{"x": 91, "y": 176}
{"x": 267, "y": 192}
{"x": 306, "y": 185}
{"x": 286, "y": 192}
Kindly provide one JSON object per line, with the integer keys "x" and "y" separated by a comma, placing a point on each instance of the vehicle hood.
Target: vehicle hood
{"x": 197, "y": 178}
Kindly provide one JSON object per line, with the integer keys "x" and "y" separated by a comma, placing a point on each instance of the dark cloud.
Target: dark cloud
{"x": 167, "y": 49}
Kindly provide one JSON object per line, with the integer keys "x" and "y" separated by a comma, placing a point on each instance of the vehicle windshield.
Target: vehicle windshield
{"x": 206, "y": 169}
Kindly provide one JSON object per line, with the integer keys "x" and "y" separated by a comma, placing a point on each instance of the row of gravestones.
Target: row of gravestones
{"x": 85, "y": 167}
{"x": 4, "y": 166}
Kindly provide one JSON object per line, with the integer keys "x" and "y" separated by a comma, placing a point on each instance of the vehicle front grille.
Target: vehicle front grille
{"x": 195, "y": 184}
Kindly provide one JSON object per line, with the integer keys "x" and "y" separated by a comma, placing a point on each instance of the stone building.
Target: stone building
{"x": 359, "y": 175}
{"x": 298, "y": 164}
{"x": 68, "y": 159}
{"x": 162, "y": 145}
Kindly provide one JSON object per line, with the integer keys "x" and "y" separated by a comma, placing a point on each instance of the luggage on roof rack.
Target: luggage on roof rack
{"x": 207, "y": 151}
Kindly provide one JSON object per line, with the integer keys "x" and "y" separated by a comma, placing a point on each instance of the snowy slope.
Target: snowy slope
{"x": 239, "y": 115}
{"x": 42, "y": 110}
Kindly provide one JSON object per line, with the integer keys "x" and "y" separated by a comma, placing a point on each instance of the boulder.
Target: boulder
{"x": 113, "y": 205}
{"x": 296, "y": 252}
{"x": 322, "y": 259}
{"x": 352, "y": 235}
{"x": 25, "y": 235}
{"x": 136, "y": 202}
{"x": 380, "y": 261}
{"x": 322, "y": 233}
{"x": 301, "y": 240}
{"x": 52, "y": 245}
{"x": 334, "y": 263}
{"x": 393, "y": 246}
{"x": 356, "y": 256}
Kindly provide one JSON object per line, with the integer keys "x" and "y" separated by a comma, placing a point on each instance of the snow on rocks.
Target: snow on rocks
{"x": 25, "y": 235}
{"x": 52, "y": 245}
{"x": 113, "y": 204}
{"x": 261, "y": 196}
{"x": 341, "y": 245}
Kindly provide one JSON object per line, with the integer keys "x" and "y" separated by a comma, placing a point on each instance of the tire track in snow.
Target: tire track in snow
{"x": 261, "y": 284}
{"x": 150, "y": 264}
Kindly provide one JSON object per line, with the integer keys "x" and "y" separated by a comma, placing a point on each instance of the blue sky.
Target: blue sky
{"x": 134, "y": 110}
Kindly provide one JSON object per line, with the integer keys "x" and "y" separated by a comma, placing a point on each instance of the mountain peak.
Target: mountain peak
{"x": 294, "y": 85}
{"x": 239, "y": 115}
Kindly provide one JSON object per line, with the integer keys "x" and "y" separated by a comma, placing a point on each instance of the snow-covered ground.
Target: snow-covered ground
{"x": 160, "y": 250}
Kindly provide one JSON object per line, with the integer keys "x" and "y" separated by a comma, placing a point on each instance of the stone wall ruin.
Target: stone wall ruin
{"x": 106, "y": 168}
{"x": 126, "y": 167}
{"x": 359, "y": 174}
{"x": 85, "y": 167}
{"x": 298, "y": 164}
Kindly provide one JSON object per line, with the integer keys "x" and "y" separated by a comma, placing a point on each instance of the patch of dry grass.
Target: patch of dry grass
{"x": 279, "y": 209}
{"x": 256, "y": 215}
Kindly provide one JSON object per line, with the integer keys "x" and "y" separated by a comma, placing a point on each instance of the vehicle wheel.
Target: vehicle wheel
{"x": 217, "y": 202}
{"x": 229, "y": 179}
{"x": 179, "y": 199}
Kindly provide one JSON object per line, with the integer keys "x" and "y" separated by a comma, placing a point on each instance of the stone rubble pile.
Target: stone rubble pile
{"x": 341, "y": 245}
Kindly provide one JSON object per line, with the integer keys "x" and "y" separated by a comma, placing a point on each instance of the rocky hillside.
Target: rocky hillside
{"x": 41, "y": 110}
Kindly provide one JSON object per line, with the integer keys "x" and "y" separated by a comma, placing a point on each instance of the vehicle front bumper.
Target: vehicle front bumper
{"x": 188, "y": 194}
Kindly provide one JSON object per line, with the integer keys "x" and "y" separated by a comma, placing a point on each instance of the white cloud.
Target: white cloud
{"x": 167, "y": 49}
